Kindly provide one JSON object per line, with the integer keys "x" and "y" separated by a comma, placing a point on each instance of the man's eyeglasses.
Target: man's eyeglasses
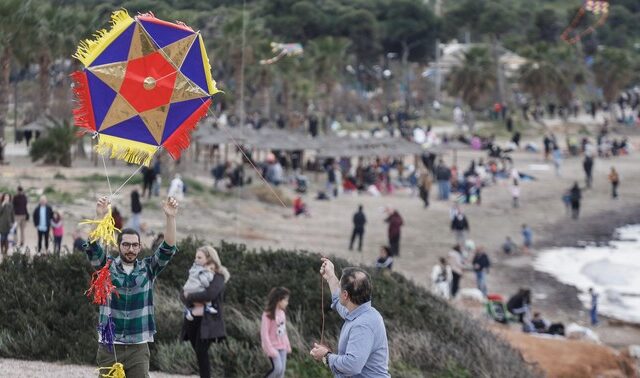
{"x": 130, "y": 245}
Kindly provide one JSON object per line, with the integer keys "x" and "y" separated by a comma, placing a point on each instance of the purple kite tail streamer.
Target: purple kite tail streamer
{"x": 107, "y": 333}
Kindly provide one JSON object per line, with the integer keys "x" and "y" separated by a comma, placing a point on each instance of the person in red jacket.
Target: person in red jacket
{"x": 395, "y": 223}
{"x": 273, "y": 331}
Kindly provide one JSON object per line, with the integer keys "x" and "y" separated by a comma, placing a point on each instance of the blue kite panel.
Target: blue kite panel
{"x": 134, "y": 129}
{"x": 193, "y": 69}
{"x": 178, "y": 113}
{"x": 164, "y": 35}
{"x": 102, "y": 97}
{"x": 118, "y": 50}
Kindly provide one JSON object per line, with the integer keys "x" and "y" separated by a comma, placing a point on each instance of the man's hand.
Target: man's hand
{"x": 102, "y": 207}
{"x": 327, "y": 270}
{"x": 319, "y": 351}
{"x": 328, "y": 273}
{"x": 170, "y": 207}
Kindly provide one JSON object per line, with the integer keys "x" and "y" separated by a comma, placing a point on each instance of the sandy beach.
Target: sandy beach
{"x": 239, "y": 217}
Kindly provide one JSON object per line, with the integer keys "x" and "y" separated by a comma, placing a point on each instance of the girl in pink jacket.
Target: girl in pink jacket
{"x": 58, "y": 231}
{"x": 273, "y": 331}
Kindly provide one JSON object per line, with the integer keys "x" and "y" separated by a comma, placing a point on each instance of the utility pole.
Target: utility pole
{"x": 438, "y": 13}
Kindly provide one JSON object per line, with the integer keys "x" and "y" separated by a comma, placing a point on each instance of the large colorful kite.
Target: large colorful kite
{"x": 599, "y": 8}
{"x": 145, "y": 85}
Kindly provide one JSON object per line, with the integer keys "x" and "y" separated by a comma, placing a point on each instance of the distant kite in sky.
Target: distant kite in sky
{"x": 600, "y": 8}
{"x": 283, "y": 49}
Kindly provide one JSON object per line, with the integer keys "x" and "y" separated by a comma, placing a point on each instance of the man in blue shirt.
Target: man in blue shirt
{"x": 363, "y": 350}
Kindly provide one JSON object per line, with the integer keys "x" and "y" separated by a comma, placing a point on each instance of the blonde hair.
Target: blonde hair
{"x": 212, "y": 258}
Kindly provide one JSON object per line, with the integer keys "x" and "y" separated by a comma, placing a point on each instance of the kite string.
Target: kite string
{"x": 107, "y": 175}
{"x": 322, "y": 309}
{"x": 233, "y": 140}
{"x": 127, "y": 180}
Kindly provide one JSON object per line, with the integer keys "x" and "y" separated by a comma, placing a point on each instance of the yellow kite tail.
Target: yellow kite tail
{"x": 115, "y": 371}
{"x": 104, "y": 231}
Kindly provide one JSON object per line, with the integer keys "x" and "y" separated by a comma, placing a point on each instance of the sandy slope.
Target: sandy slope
{"x": 569, "y": 358}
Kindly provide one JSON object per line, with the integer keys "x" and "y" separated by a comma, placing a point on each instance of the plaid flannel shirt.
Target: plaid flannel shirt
{"x": 132, "y": 312}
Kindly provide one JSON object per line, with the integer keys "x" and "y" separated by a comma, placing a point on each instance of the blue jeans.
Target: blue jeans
{"x": 481, "y": 281}
{"x": 594, "y": 315}
{"x": 444, "y": 187}
{"x": 279, "y": 365}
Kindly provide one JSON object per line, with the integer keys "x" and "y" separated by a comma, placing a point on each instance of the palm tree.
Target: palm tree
{"x": 474, "y": 78}
{"x": 228, "y": 52}
{"x": 12, "y": 39}
{"x": 613, "y": 72}
{"x": 542, "y": 78}
{"x": 327, "y": 57}
{"x": 57, "y": 30}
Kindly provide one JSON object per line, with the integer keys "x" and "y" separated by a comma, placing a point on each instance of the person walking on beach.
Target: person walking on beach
{"x": 481, "y": 266}
{"x": 359, "y": 220}
{"x": 614, "y": 179}
{"x": 527, "y": 238}
{"x": 273, "y": 331}
{"x": 575, "y": 196}
{"x": 515, "y": 193}
{"x": 443, "y": 176}
{"x": 460, "y": 226}
{"x": 363, "y": 349}
{"x": 21, "y": 213}
{"x": 425, "y": 186}
{"x": 456, "y": 262}
{"x": 557, "y": 159}
{"x": 395, "y": 223}
{"x": 587, "y": 164}
{"x": 593, "y": 312}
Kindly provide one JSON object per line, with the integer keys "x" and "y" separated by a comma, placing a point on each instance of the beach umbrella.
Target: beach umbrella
{"x": 145, "y": 84}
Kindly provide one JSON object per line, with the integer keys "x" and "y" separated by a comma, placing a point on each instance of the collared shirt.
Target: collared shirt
{"x": 132, "y": 312}
{"x": 362, "y": 350}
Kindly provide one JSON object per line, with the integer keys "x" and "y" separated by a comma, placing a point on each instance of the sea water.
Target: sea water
{"x": 613, "y": 271}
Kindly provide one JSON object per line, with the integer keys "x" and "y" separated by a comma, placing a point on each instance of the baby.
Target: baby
{"x": 200, "y": 276}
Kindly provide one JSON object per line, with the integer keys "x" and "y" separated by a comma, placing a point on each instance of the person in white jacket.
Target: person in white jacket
{"x": 441, "y": 277}
{"x": 176, "y": 189}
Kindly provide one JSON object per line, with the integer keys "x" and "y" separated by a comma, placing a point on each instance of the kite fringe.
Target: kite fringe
{"x": 89, "y": 48}
{"x": 82, "y": 113}
{"x": 180, "y": 140}
{"x": 115, "y": 371}
{"x": 105, "y": 229}
{"x": 123, "y": 150}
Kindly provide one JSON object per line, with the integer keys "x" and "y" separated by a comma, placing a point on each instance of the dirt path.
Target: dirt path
{"x": 38, "y": 369}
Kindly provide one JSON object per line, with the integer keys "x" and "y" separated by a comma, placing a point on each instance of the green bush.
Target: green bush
{"x": 55, "y": 146}
{"x": 114, "y": 180}
{"x": 47, "y": 317}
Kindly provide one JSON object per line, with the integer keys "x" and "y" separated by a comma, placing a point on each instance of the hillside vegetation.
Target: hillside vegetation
{"x": 47, "y": 317}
